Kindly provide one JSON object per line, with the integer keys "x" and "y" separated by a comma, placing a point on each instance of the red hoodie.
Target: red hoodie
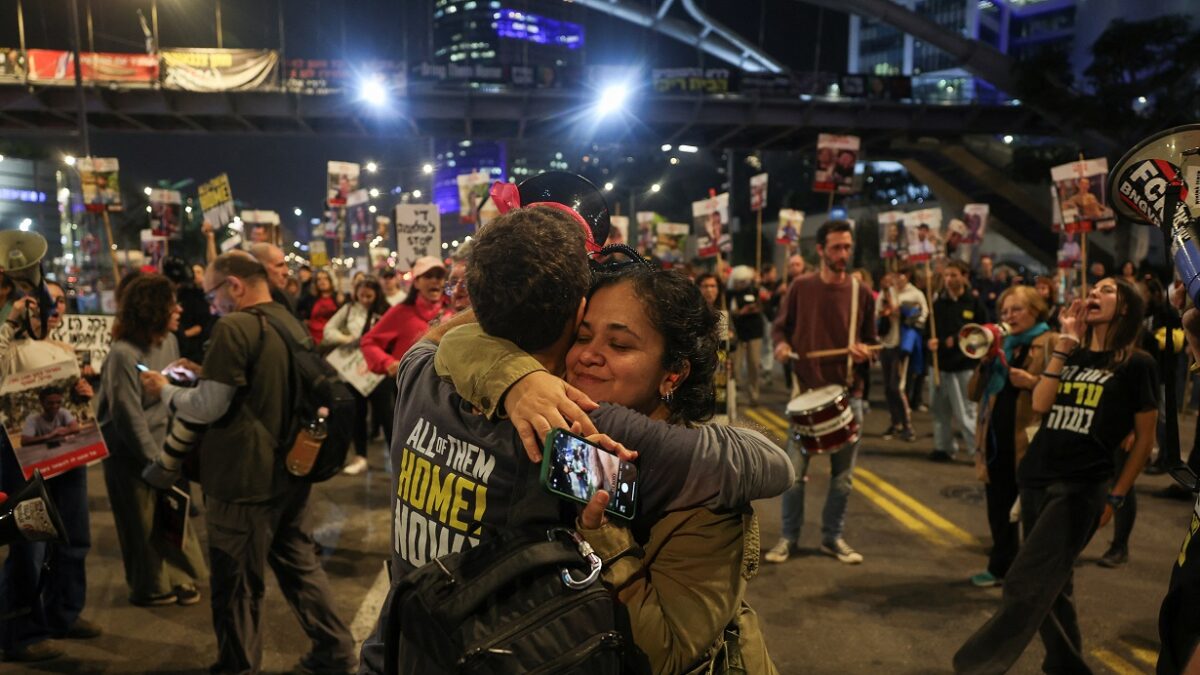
{"x": 396, "y": 331}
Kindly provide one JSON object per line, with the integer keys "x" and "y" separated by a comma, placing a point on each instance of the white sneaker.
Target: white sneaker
{"x": 356, "y": 466}
{"x": 841, "y": 550}
{"x": 780, "y": 552}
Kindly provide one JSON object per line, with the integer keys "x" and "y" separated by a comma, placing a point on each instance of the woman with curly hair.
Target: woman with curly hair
{"x": 157, "y": 571}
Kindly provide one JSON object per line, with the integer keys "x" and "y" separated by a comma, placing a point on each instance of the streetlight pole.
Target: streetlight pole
{"x": 220, "y": 35}
{"x": 75, "y": 48}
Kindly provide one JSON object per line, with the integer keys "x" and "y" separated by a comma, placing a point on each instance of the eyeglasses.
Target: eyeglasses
{"x": 453, "y": 286}
{"x": 211, "y": 296}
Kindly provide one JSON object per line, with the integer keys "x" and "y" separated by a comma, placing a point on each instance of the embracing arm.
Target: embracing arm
{"x": 481, "y": 367}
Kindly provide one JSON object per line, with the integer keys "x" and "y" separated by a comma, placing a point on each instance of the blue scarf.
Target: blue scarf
{"x": 998, "y": 374}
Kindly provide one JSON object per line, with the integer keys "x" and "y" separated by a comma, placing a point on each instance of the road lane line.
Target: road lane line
{"x": 954, "y": 531}
{"x": 901, "y": 515}
{"x": 1115, "y": 663}
{"x": 1146, "y": 656}
{"x": 368, "y": 611}
{"x": 757, "y": 416}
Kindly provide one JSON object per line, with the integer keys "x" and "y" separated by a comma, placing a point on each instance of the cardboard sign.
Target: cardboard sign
{"x": 418, "y": 234}
{"x": 90, "y": 335}
{"x": 923, "y": 229}
{"x": 836, "y": 157}
{"x": 341, "y": 180}
{"x": 791, "y": 223}
{"x": 166, "y": 214}
{"x": 100, "y": 183}
{"x": 709, "y": 218}
{"x": 216, "y": 201}
{"x": 619, "y": 232}
{"x": 352, "y": 368}
{"x": 758, "y": 192}
{"x": 1081, "y": 199}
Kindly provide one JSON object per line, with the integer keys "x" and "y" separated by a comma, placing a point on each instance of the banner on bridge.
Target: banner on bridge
{"x": 220, "y": 69}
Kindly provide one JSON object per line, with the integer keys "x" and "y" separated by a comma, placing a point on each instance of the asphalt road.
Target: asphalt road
{"x": 906, "y": 609}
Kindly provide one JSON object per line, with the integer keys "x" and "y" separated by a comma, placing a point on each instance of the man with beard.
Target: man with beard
{"x": 821, "y": 311}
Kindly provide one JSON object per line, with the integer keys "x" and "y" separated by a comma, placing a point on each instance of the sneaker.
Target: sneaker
{"x": 908, "y": 435}
{"x": 82, "y": 629}
{"x": 891, "y": 432}
{"x": 985, "y": 580}
{"x": 187, "y": 595}
{"x": 940, "y": 456}
{"x": 780, "y": 552}
{"x": 839, "y": 549}
{"x": 38, "y": 651}
{"x": 922, "y": 408}
{"x": 1115, "y": 557}
{"x": 159, "y": 600}
{"x": 356, "y": 466}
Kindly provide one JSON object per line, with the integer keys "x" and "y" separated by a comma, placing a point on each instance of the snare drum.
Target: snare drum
{"x": 822, "y": 421}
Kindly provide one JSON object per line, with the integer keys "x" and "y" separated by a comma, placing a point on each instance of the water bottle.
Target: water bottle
{"x": 303, "y": 455}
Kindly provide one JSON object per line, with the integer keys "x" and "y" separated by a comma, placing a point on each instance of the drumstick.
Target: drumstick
{"x": 842, "y": 351}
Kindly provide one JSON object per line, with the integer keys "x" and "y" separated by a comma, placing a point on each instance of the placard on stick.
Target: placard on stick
{"x": 418, "y": 234}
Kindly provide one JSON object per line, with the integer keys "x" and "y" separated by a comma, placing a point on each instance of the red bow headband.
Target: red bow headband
{"x": 507, "y": 197}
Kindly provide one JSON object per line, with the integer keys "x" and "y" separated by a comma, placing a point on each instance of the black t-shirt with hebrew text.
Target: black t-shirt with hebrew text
{"x": 1093, "y": 412}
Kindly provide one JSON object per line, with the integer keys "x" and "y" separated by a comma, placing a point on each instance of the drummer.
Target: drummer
{"x": 825, "y": 310}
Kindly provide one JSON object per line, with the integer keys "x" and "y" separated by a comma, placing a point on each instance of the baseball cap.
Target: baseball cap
{"x": 423, "y": 265}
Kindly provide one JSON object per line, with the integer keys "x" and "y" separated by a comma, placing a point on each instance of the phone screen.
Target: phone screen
{"x": 574, "y": 468}
{"x": 142, "y": 367}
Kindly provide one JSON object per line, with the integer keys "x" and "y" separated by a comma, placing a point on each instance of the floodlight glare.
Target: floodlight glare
{"x": 372, "y": 91}
{"x": 427, "y": 169}
{"x": 666, "y": 147}
{"x": 25, "y": 225}
{"x": 655, "y": 188}
{"x": 688, "y": 148}
{"x": 608, "y": 186}
{"x": 1008, "y": 139}
{"x": 416, "y": 194}
{"x": 69, "y": 160}
{"x": 372, "y": 167}
{"x": 148, "y": 191}
{"x": 297, "y": 211}
{"x": 374, "y": 192}
{"x": 612, "y": 99}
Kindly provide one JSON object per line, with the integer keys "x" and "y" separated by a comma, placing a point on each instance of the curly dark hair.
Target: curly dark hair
{"x": 690, "y": 336}
{"x": 527, "y": 273}
{"x": 145, "y": 307}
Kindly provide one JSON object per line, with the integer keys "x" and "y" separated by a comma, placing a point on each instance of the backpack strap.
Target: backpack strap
{"x": 291, "y": 347}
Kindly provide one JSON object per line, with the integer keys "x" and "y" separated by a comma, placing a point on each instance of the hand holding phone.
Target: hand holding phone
{"x": 575, "y": 468}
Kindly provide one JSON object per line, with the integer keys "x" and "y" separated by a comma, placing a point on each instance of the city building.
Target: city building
{"x": 492, "y": 33}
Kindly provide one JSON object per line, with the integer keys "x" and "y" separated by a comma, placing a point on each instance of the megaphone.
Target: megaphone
{"x": 21, "y": 255}
{"x": 983, "y": 340}
{"x": 30, "y": 515}
{"x": 1148, "y": 186}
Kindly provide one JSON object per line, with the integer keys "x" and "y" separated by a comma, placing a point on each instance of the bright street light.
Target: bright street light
{"x": 371, "y": 208}
{"x": 297, "y": 211}
{"x": 688, "y": 148}
{"x": 674, "y": 161}
{"x": 372, "y": 91}
{"x": 416, "y": 194}
{"x": 612, "y": 99}
{"x": 426, "y": 169}
{"x": 1008, "y": 139}
{"x": 608, "y": 186}
{"x": 69, "y": 160}
{"x": 372, "y": 167}
{"x": 666, "y": 147}
{"x": 655, "y": 188}
{"x": 25, "y": 224}
{"x": 374, "y": 192}
{"x": 148, "y": 191}
{"x": 296, "y": 244}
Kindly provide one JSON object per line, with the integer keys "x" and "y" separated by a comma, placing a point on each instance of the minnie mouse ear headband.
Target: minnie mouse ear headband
{"x": 572, "y": 194}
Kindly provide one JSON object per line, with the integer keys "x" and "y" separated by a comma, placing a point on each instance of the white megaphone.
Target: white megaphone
{"x": 983, "y": 340}
{"x": 29, "y": 515}
{"x": 21, "y": 255}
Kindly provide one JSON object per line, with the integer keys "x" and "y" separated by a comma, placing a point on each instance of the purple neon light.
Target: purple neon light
{"x": 511, "y": 23}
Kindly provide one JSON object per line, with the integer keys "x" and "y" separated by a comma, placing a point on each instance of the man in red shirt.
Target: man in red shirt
{"x": 816, "y": 315}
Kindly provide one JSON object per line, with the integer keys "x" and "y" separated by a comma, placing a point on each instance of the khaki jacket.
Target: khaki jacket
{"x": 683, "y": 588}
{"x": 1027, "y": 421}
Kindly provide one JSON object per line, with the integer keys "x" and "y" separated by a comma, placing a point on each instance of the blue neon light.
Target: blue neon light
{"x": 511, "y": 23}
{"x": 14, "y": 195}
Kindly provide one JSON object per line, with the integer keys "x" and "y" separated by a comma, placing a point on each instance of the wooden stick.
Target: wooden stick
{"x": 840, "y": 351}
{"x": 112, "y": 247}
{"x": 758, "y": 243}
{"x": 937, "y": 378}
{"x": 1083, "y": 263}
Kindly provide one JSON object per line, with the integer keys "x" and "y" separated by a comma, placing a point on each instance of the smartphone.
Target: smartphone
{"x": 575, "y": 468}
{"x": 179, "y": 374}
{"x": 142, "y": 367}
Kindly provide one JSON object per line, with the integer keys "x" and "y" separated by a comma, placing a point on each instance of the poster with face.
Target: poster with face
{"x": 619, "y": 233}
{"x": 923, "y": 229}
{"x": 359, "y": 220}
{"x": 836, "y": 157}
{"x": 893, "y": 243}
{"x": 472, "y": 188}
{"x": 1069, "y": 250}
{"x": 154, "y": 248}
{"x": 260, "y": 227}
{"x": 791, "y": 223}
{"x": 709, "y": 217}
{"x": 100, "y": 183}
{"x": 341, "y": 180}
{"x": 166, "y": 213}
{"x": 1082, "y": 203}
{"x": 758, "y": 192}
{"x": 670, "y": 242}
{"x": 646, "y": 223}
{"x": 975, "y": 217}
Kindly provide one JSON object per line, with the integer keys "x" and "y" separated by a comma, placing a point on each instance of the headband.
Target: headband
{"x": 507, "y": 197}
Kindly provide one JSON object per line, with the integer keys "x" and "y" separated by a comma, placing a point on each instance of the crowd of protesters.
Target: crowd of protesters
{"x": 710, "y": 335}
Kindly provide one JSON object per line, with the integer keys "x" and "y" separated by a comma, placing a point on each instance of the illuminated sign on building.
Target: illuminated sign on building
{"x": 14, "y": 195}
{"x": 511, "y": 23}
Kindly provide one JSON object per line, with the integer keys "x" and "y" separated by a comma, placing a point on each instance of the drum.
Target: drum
{"x": 822, "y": 421}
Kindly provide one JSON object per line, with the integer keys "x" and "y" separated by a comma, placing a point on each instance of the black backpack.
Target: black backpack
{"x": 314, "y": 384}
{"x": 516, "y": 603}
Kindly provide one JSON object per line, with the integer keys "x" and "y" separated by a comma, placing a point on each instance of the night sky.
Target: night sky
{"x": 283, "y": 172}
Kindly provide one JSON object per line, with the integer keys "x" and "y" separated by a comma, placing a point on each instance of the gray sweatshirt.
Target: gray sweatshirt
{"x": 133, "y": 427}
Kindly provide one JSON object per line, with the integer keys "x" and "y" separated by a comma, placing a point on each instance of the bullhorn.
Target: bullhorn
{"x": 21, "y": 255}
{"x": 30, "y": 515}
{"x": 982, "y": 340}
{"x": 1149, "y": 186}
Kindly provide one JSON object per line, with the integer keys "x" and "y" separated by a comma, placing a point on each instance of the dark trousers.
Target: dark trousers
{"x": 1124, "y": 517}
{"x": 915, "y": 393}
{"x": 44, "y": 584}
{"x": 1059, "y": 521}
{"x": 379, "y": 404}
{"x": 1001, "y": 492}
{"x": 895, "y": 362}
{"x": 243, "y": 540}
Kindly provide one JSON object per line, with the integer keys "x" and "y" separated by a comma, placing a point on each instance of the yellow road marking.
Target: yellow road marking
{"x": 902, "y": 516}
{"x": 917, "y": 507}
{"x": 1116, "y": 663}
{"x": 776, "y": 417}
{"x": 757, "y": 416}
{"x": 1146, "y": 656}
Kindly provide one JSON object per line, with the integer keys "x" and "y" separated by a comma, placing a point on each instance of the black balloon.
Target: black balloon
{"x": 573, "y": 191}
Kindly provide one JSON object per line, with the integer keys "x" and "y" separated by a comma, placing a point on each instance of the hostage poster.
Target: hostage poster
{"x": 154, "y": 248}
{"x": 646, "y": 222}
{"x": 709, "y": 218}
{"x": 758, "y": 192}
{"x": 836, "y": 157}
{"x": 341, "y": 180}
{"x": 670, "y": 242}
{"x": 472, "y": 188}
{"x": 261, "y": 226}
{"x": 924, "y": 229}
{"x": 791, "y": 223}
{"x": 619, "y": 232}
{"x": 893, "y": 243}
{"x": 1080, "y": 187}
{"x": 166, "y": 214}
{"x": 100, "y": 184}
{"x": 360, "y": 221}
{"x": 216, "y": 201}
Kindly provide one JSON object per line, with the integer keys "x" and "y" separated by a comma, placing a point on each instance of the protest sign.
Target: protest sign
{"x": 670, "y": 242}
{"x": 923, "y": 229}
{"x": 791, "y": 223}
{"x": 836, "y": 157}
{"x": 472, "y": 188}
{"x": 758, "y": 192}
{"x": 975, "y": 217}
{"x": 89, "y": 335}
{"x": 892, "y": 241}
{"x": 171, "y": 515}
{"x": 216, "y": 201}
{"x": 166, "y": 214}
{"x": 418, "y": 234}
{"x": 646, "y": 221}
{"x": 341, "y": 180}
{"x": 317, "y": 253}
{"x": 1080, "y": 189}
{"x": 100, "y": 183}
{"x": 352, "y": 368}
{"x": 260, "y": 226}
{"x": 359, "y": 219}
{"x": 709, "y": 217}
{"x": 154, "y": 248}
{"x": 619, "y": 232}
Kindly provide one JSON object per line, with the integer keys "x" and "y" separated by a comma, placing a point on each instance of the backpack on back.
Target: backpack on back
{"x": 314, "y": 385}
{"x": 516, "y": 603}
